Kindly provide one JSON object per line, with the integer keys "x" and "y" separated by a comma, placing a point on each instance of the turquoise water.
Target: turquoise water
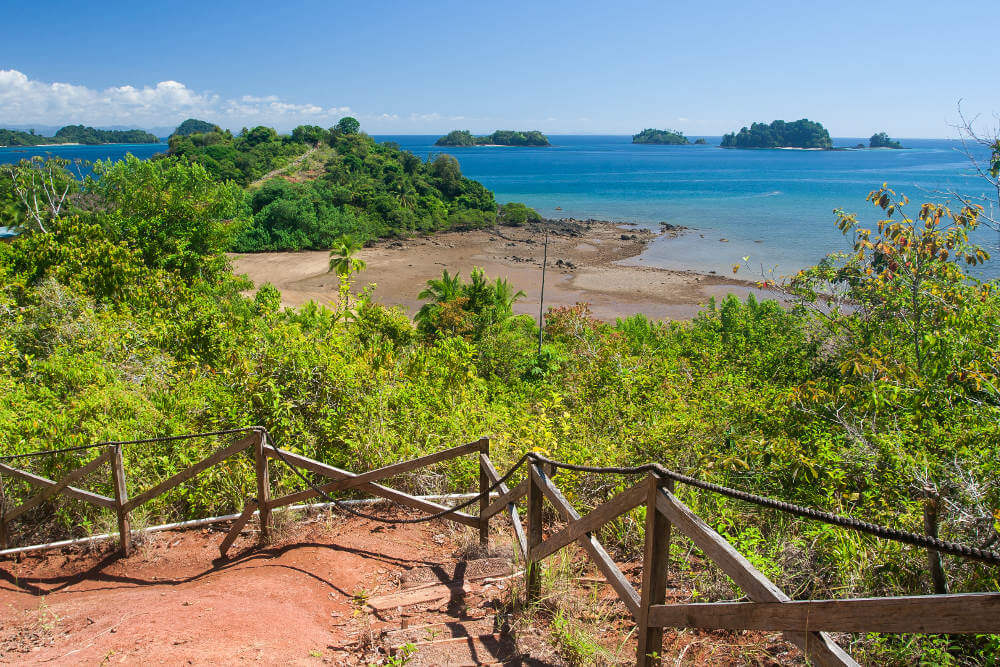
{"x": 85, "y": 153}
{"x": 773, "y": 206}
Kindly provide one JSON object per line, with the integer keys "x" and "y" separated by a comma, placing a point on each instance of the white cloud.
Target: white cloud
{"x": 24, "y": 100}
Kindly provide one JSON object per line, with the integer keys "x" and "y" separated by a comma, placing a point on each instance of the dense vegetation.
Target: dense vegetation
{"x": 779, "y": 134}
{"x": 122, "y": 319}
{"x": 195, "y": 126}
{"x": 92, "y": 136}
{"x": 242, "y": 158}
{"x": 358, "y": 187}
{"x": 19, "y": 138}
{"x": 882, "y": 140}
{"x": 77, "y": 134}
{"x": 668, "y": 137}
{"x": 498, "y": 138}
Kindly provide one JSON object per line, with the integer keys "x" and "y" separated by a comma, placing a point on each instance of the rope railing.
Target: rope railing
{"x": 851, "y": 523}
{"x": 108, "y": 443}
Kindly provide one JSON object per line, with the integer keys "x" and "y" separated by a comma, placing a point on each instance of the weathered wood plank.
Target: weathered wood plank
{"x": 515, "y": 518}
{"x": 967, "y": 613}
{"x": 186, "y": 474}
{"x": 121, "y": 497}
{"x": 263, "y": 485}
{"x": 359, "y": 479}
{"x": 600, "y": 515}
{"x": 484, "y": 497}
{"x": 654, "y": 576}
{"x": 589, "y": 543}
{"x": 3, "y": 518}
{"x": 50, "y": 491}
{"x": 507, "y": 497}
{"x": 375, "y": 489}
{"x": 818, "y": 646}
{"x": 79, "y": 494}
{"x": 234, "y": 531}
{"x": 532, "y": 569}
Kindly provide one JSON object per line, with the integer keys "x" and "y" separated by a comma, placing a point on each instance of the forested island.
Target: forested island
{"x": 663, "y": 137}
{"x": 882, "y": 140}
{"x": 77, "y": 134}
{"x": 195, "y": 126}
{"x": 780, "y": 134}
{"x": 339, "y": 181}
{"x": 498, "y": 138}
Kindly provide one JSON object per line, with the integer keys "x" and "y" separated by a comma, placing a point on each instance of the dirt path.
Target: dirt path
{"x": 277, "y": 172}
{"x": 175, "y": 602}
{"x": 327, "y": 590}
{"x": 585, "y": 263}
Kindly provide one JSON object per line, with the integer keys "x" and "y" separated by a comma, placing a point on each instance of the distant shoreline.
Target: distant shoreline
{"x": 79, "y": 144}
{"x": 586, "y": 264}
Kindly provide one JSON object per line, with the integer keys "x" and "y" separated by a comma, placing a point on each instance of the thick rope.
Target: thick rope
{"x": 906, "y": 537}
{"x": 47, "y": 452}
{"x": 107, "y": 443}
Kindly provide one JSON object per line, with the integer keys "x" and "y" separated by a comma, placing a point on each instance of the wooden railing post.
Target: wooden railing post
{"x": 484, "y": 498}
{"x": 654, "y": 577}
{"x": 121, "y": 497}
{"x": 263, "y": 487}
{"x": 3, "y": 517}
{"x": 532, "y": 571}
{"x": 934, "y": 564}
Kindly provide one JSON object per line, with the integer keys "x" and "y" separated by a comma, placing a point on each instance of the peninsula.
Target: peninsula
{"x": 498, "y": 138}
{"x": 780, "y": 134}
{"x": 661, "y": 137}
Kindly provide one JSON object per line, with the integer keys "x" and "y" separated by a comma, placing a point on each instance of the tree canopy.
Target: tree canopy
{"x": 667, "y": 137}
{"x": 89, "y": 135}
{"x": 195, "y": 126}
{"x": 498, "y": 138}
{"x": 882, "y": 140}
{"x": 77, "y": 134}
{"x": 780, "y": 134}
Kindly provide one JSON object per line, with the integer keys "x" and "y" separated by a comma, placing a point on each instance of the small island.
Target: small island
{"x": 780, "y": 134}
{"x": 195, "y": 126}
{"x": 498, "y": 138}
{"x": 77, "y": 134}
{"x": 882, "y": 140}
{"x": 660, "y": 137}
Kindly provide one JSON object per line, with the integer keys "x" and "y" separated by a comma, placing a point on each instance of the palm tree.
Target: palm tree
{"x": 342, "y": 259}
{"x": 504, "y": 297}
{"x": 439, "y": 290}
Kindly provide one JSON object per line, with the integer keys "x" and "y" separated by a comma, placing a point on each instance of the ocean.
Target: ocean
{"x": 773, "y": 206}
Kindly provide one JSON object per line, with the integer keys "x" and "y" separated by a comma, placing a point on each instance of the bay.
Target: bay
{"x": 773, "y": 206}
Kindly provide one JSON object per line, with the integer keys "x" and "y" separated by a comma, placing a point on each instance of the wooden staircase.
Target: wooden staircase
{"x": 449, "y": 616}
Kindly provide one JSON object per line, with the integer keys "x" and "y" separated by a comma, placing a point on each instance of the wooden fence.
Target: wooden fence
{"x": 803, "y": 623}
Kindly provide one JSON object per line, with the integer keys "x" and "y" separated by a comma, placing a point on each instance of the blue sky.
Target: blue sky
{"x": 562, "y": 67}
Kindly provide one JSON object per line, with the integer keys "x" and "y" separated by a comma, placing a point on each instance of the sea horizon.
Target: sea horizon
{"x": 770, "y": 205}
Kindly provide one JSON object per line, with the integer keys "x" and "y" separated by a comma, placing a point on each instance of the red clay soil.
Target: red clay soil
{"x": 175, "y": 602}
{"x": 296, "y": 601}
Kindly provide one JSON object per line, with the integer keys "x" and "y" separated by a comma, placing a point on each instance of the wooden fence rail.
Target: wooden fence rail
{"x": 803, "y": 623}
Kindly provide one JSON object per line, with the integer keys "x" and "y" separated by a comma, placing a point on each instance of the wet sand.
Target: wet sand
{"x": 583, "y": 266}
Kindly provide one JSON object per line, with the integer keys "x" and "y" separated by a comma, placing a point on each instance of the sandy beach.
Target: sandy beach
{"x": 583, "y": 266}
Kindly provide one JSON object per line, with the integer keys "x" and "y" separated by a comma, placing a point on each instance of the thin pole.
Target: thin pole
{"x": 541, "y": 299}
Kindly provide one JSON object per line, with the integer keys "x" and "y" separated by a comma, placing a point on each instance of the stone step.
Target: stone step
{"x": 489, "y": 649}
{"x": 429, "y": 632}
{"x": 472, "y": 570}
